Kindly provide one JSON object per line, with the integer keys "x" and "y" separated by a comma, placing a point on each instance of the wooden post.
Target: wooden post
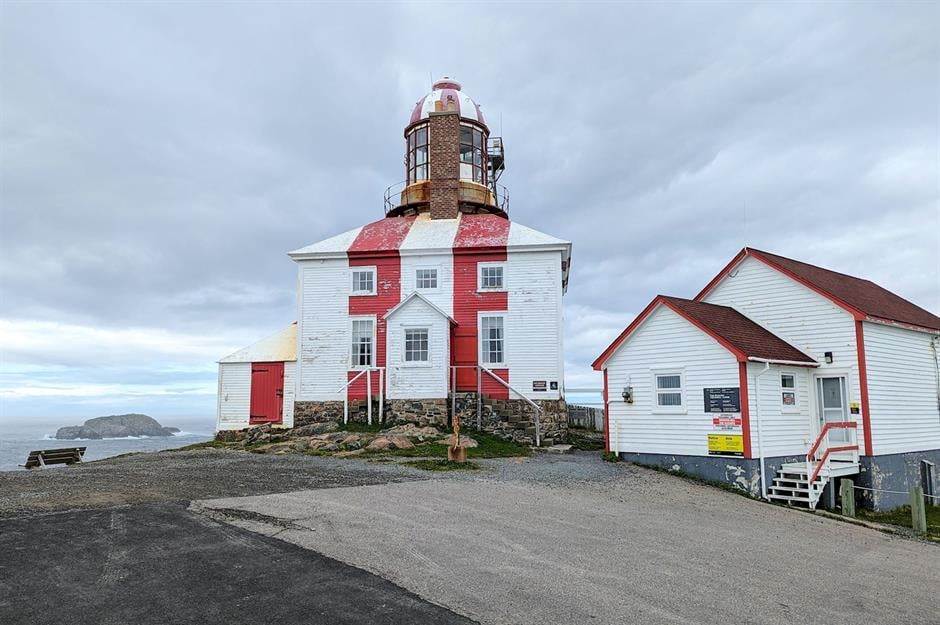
{"x": 918, "y": 512}
{"x": 847, "y": 493}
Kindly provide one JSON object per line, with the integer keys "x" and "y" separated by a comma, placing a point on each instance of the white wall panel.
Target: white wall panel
{"x": 784, "y": 430}
{"x": 534, "y": 321}
{"x": 443, "y": 295}
{"x": 289, "y": 393}
{"x": 666, "y": 341}
{"x": 323, "y": 332}
{"x": 234, "y": 395}
{"x": 902, "y": 390}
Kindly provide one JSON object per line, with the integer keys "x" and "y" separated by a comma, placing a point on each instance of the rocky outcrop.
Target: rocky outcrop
{"x": 115, "y": 426}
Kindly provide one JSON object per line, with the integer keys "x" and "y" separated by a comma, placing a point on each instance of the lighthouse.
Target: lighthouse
{"x": 443, "y": 306}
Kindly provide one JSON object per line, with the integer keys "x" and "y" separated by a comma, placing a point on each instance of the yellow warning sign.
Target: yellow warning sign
{"x": 726, "y": 444}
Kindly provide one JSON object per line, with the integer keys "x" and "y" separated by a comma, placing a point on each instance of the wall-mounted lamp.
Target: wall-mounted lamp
{"x": 627, "y": 394}
{"x": 828, "y": 357}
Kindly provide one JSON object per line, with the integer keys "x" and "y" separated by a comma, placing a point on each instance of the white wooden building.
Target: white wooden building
{"x": 781, "y": 377}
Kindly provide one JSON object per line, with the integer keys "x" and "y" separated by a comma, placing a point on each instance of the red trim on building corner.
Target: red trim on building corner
{"x": 606, "y": 415}
{"x": 745, "y": 409}
{"x": 863, "y": 384}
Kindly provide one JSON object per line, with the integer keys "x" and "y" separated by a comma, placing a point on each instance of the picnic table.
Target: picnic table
{"x": 42, "y": 457}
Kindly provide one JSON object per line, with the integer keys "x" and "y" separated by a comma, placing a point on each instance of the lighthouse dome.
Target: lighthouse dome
{"x": 446, "y": 95}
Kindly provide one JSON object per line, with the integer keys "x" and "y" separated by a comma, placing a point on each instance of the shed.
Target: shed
{"x": 256, "y": 383}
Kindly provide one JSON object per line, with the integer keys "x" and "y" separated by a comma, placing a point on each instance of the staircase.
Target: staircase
{"x": 801, "y": 483}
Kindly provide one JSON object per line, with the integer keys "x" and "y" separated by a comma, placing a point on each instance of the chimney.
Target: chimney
{"x": 444, "y": 165}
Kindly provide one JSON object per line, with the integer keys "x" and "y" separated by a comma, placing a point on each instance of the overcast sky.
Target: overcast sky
{"x": 158, "y": 160}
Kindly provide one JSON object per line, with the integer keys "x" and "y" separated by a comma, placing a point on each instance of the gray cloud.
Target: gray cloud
{"x": 158, "y": 160}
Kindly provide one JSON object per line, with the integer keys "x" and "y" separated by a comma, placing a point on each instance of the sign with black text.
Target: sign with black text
{"x": 723, "y": 399}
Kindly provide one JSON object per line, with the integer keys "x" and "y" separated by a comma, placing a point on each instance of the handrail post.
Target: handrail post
{"x": 479, "y": 398}
{"x": 382, "y": 394}
{"x": 538, "y": 430}
{"x": 453, "y": 392}
{"x": 369, "y": 395}
{"x": 346, "y": 404}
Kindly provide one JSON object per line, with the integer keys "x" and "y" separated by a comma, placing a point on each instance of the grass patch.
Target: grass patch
{"x": 442, "y": 465}
{"x": 902, "y": 517}
{"x": 611, "y": 456}
{"x": 488, "y": 446}
{"x": 582, "y": 441}
{"x": 213, "y": 444}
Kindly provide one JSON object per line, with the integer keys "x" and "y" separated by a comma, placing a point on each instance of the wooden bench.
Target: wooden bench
{"x": 42, "y": 457}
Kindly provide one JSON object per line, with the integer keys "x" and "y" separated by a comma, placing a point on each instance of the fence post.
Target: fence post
{"x": 918, "y": 512}
{"x": 847, "y": 493}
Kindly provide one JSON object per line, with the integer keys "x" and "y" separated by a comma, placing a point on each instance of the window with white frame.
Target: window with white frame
{"x": 788, "y": 397}
{"x": 363, "y": 281}
{"x": 426, "y": 278}
{"x": 416, "y": 345}
{"x": 492, "y": 340}
{"x": 669, "y": 390}
{"x": 363, "y": 342}
{"x": 491, "y": 278}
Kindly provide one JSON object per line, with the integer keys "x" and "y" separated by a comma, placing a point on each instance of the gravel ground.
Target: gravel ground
{"x": 571, "y": 539}
{"x": 182, "y": 476}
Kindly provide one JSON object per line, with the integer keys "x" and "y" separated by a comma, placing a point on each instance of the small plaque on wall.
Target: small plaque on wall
{"x": 727, "y": 399}
{"x": 539, "y": 385}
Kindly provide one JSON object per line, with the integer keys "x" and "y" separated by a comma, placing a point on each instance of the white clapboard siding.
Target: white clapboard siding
{"x": 234, "y": 395}
{"x": 534, "y": 322}
{"x": 288, "y": 415}
{"x": 798, "y": 315}
{"x": 665, "y": 342}
{"x": 784, "y": 430}
{"x": 417, "y": 380}
{"x": 902, "y": 390}
{"x": 443, "y": 295}
{"x": 323, "y": 338}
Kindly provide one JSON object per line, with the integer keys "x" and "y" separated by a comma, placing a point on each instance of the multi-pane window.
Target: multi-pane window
{"x": 363, "y": 342}
{"x": 426, "y": 278}
{"x": 669, "y": 390}
{"x": 472, "y": 154}
{"x": 417, "y": 157}
{"x": 491, "y": 277}
{"x": 416, "y": 345}
{"x": 492, "y": 340}
{"x": 788, "y": 390}
{"x": 363, "y": 282}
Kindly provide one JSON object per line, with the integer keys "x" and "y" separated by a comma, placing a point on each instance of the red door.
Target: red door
{"x": 267, "y": 392}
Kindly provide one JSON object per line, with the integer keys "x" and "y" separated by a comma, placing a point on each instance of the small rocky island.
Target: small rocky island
{"x": 116, "y": 426}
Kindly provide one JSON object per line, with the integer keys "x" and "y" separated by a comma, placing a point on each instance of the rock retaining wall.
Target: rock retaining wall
{"x": 514, "y": 418}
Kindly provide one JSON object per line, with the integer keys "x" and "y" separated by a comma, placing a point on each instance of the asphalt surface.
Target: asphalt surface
{"x": 159, "y": 564}
{"x": 576, "y": 540}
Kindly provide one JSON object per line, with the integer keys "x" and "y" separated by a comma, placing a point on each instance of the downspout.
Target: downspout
{"x": 760, "y": 439}
{"x": 935, "y": 346}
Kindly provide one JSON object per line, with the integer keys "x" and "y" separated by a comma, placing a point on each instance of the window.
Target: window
{"x": 491, "y": 277}
{"x": 417, "y": 157}
{"x": 788, "y": 390}
{"x": 669, "y": 390}
{"x": 416, "y": 345}
{"x": 363, "y": 341}
{"x": 426, "y": 278}
{"x": 492, "y": 341}
{"x": 363, "y": 281}
{"x": 472, "y": 154}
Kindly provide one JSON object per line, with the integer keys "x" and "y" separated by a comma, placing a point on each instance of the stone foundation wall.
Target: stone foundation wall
{"x": 515, "y": 418}
{"x": 420, "y": 411}
{"x": 307, "y": 412}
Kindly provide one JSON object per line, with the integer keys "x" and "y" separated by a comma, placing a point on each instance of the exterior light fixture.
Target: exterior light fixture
{"x": 828, "y": 357}
{"x": 627, "y": 394}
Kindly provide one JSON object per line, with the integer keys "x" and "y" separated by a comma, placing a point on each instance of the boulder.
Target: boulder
{"x": 314, "y": 428}
{"x": 413, "y": 431}
{"x": 401, "y": 442}
{"x": 116, "y": 426}
{"x": 379, "y": 444}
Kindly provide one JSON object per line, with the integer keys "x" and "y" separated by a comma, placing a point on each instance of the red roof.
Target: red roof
{"x": 863, "y": 298}
{"x": 738, "y": 334}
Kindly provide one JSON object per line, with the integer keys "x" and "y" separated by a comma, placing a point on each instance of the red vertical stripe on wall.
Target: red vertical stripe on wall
{"x": 863, "y": 384}
{"x": 479, "y": 239}
{"x": 606, "y": 413}
{"x": 745, "y": 409}
{"x": 377, "y": 245}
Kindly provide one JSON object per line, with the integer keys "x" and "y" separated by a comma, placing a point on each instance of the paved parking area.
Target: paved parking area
{"x": 574, "y": 540}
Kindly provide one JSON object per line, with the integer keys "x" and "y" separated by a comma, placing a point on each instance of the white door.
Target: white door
{"x": 832, "y": 403}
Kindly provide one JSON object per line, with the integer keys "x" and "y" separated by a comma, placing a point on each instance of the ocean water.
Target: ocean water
{"x": 19, "y": 436}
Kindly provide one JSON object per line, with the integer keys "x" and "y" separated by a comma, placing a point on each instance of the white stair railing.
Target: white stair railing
{"x": 381, "y": 392}
{"x": 819, "y": 457}
{"x": 480, "y": 370}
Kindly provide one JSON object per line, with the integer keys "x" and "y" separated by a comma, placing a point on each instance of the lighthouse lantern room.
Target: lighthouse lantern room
{"x": 443, "y": 307}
